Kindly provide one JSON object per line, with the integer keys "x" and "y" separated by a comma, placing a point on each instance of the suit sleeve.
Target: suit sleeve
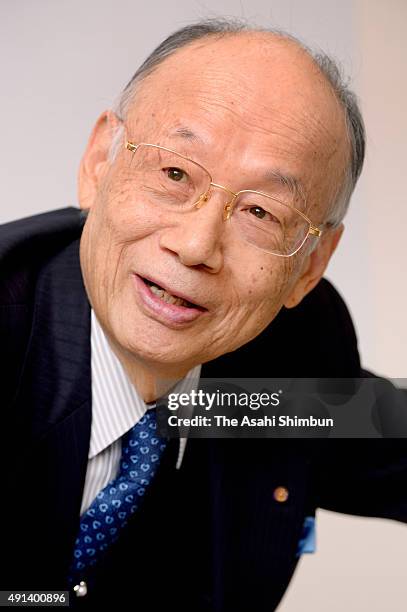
{"x": 368, "y": 477}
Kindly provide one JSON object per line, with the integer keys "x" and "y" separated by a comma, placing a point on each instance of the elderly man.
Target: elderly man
{"x": 213, "y": 199}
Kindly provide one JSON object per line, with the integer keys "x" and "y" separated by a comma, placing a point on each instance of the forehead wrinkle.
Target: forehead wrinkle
{"x": 248, "y": 108}
{"x": 293, "y": 134}
{"x": 292, "y": 126}
{"x": 222, "y": 81}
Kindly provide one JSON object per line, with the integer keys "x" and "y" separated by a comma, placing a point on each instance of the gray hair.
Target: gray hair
{"x": 328, "y": 66}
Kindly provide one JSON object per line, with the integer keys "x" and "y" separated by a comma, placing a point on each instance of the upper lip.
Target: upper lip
{"x": 177, "y": 293}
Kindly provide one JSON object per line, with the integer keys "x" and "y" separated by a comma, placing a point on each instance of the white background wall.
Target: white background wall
{"x": 63, "y": 62}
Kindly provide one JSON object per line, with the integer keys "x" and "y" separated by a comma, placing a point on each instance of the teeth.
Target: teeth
{"x": 167, "y": 297}
{"x": 156, "y": 291}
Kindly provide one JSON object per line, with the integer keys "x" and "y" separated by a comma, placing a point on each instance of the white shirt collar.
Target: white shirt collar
{"x": 116, "y": 404}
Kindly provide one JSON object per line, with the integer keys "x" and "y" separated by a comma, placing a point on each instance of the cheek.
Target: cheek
{"x": 257, "y": 299}
{"x": 266, "y": 291}
{"x": 268, "y": 282}
{"x": 119, "y": 219}
{"x": 124, "y": 212}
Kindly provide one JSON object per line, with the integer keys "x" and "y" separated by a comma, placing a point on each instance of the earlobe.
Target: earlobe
{"x": 95, "y": 158}
{"x": 314, "y": 266}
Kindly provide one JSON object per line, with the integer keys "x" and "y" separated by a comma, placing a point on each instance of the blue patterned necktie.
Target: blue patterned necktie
{"x": 112, "y": 507}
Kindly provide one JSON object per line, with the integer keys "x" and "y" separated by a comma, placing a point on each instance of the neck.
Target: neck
{"x": 151, "y": 381}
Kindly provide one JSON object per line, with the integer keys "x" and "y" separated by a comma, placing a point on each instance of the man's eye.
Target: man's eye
{"x": 262, "y": 214}
{"x": 176, "y": 174}
{"x": 258, "y": 212}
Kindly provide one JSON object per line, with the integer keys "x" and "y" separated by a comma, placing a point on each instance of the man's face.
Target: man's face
{"x": 240, "y": 106}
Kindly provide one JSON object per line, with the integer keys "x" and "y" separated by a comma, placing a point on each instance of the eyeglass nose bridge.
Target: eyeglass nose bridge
{"x": 228, "y": 207}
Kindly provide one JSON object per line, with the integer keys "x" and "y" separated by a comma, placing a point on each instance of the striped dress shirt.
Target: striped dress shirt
{"x": 116, "y": 407}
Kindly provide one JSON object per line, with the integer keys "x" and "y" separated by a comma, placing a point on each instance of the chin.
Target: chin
{"x": 148, "y": 343}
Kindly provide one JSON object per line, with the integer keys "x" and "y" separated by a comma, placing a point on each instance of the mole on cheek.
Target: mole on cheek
{"x": 268, "y": 271}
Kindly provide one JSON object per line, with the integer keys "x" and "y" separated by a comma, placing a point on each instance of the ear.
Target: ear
{"x": 314, "y": 266}
{"x": 95, "y": 159}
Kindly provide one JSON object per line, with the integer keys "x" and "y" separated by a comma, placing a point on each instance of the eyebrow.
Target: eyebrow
{"x": 188, "y": 134}
{"x": 291, "y": 182}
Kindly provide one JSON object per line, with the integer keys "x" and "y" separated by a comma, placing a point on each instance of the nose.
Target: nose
{"x": 197, "y": 237}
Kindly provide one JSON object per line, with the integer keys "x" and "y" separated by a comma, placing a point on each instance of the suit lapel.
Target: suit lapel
{"x": 53, "y": 407}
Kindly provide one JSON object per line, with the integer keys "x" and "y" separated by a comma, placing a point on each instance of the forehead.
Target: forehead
{"x": 257, "y": 95}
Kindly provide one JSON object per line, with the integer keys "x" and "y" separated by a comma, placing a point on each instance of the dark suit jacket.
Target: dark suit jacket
{"x": 209, "y": 536}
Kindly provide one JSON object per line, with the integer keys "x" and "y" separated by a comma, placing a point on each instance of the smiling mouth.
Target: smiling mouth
{"x": 167, "y": 297}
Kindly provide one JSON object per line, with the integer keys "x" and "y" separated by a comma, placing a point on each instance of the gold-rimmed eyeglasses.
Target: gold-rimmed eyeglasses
{"x": 179, "y": 184}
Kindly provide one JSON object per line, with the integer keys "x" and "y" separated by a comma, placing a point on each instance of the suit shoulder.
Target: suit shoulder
{"x": 26, "y": 243}
{"x": 25, "y": 246}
